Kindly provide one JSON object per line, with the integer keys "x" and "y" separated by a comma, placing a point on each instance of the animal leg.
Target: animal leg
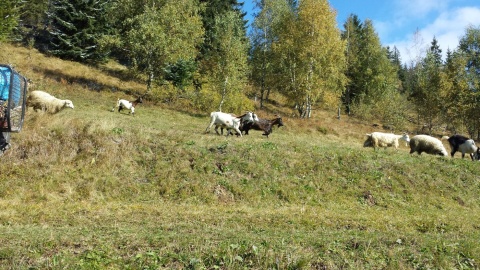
{"x": 238, "y": 131}
{"x": 207, "y": 130}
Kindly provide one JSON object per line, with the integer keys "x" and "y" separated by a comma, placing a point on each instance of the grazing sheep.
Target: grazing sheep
{"x": 462, "y": 144}
{"x": 264, "y": 125}
{"x": 128, "y": 105}
{"x": 41, "y": 100}
{"x": 427, "y": 144}
{"x": 379, "y": 139}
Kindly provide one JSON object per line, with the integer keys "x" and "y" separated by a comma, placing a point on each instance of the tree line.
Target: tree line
{"x": 203, "y": 52}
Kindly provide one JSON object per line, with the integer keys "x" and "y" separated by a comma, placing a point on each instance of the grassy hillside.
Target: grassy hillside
{"x": 93, "y": 189}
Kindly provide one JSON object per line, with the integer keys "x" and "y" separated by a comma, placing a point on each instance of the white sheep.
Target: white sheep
{"x": 41, "y": 100}
{"x": 427, "y": 144}
{"x": 379, "y": 139}
{"x": 462, "y": 144}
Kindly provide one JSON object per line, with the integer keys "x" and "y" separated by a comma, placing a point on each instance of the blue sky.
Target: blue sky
{"x": 396, "y": 21}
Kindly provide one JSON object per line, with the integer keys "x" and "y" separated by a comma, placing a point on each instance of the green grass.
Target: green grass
{"x": 93, "y": 189}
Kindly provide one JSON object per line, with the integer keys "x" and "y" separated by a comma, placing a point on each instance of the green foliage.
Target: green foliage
{"x": 180, "y": 73}
{"x": 307, "y": 54}
{"x": 372, "y": 76}
{"x": 470, "y": 49}
{"x": 460, "y": 100}
{"x": 428, "y": 93}
{"x": 265, "y": 30}
{"x": 213, "y": 10}
{"x": 75, "y": 28}
{"x": 208, "y": 98}
{"x": 228, "y": 75}
{"x": 31, "y": 25}
{"x": 9, "y": 14}
{"x": 162, "y": 36}
{"x": 392, "y": 109}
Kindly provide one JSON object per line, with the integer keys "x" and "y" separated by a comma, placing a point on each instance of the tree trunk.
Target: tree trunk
{"x": 149, "y": 81}
{"x": 224, "y": 94}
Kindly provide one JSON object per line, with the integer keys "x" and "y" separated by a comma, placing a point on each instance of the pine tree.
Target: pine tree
{"x": 373, "y": 85}
{"x": 32, "y": 21}
{"x": 431, "y": 87}
{"x": 9, "y": 14}
{"x": 459, "y": 99}
{"x": 76, "y": 27}
{"x": 469, "y": 46}
{"x": 352, "y": 35}
{"x": 213, "y": 10}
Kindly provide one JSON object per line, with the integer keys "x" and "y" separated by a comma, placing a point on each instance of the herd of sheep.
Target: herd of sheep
{"x": 425, "y": 143}
{"x": 41, "y": 100}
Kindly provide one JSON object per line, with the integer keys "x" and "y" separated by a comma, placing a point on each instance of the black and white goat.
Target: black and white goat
{"x": 247, "y": 118}
{"x": 128, "y": 105}
{"x": 462, "y": 144}
{"x": 228, "y": 121}
{"x": 262, "y": 124}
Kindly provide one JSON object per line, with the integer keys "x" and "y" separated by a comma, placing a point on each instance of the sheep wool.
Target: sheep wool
{"x": 427, "y": 144}
{"x": 379, "y": 139}
{"x": 41, "y": 100}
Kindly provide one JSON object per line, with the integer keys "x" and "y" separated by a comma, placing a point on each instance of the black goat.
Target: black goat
{"x": 264, "y": 125}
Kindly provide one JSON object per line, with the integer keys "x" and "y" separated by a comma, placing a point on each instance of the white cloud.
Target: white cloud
{"x": 412, "y": 9}
{"x": 448, "y": 27}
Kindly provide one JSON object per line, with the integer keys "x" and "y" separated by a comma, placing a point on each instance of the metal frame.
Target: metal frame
{"x": 13, "y": 96}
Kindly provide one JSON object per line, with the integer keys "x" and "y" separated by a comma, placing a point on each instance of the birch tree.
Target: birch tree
{"x": 164, "y": 35}
{"x": 229, "y": 72}
{"x": 265, "y": 32}
{"x": 311, "y": 53}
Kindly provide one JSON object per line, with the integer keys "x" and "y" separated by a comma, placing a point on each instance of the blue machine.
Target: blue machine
{"x": 13, "y": 96}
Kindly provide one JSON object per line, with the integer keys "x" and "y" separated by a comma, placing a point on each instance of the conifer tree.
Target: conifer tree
{"x": 9, "y": 14}
{"x": 459, "y": 98}
{"x": 218, "y": 83}
{"x": 373, "y": 79}
{"x": 75, "y": 29}
{"x": 469, "y": 46}
{"x": 431, "y": 87}
{"x": 209, "y": 49}
{"x": 33, "y": 19}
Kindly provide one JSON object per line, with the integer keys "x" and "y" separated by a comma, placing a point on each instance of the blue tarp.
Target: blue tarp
{"x": 5, "y": 78}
